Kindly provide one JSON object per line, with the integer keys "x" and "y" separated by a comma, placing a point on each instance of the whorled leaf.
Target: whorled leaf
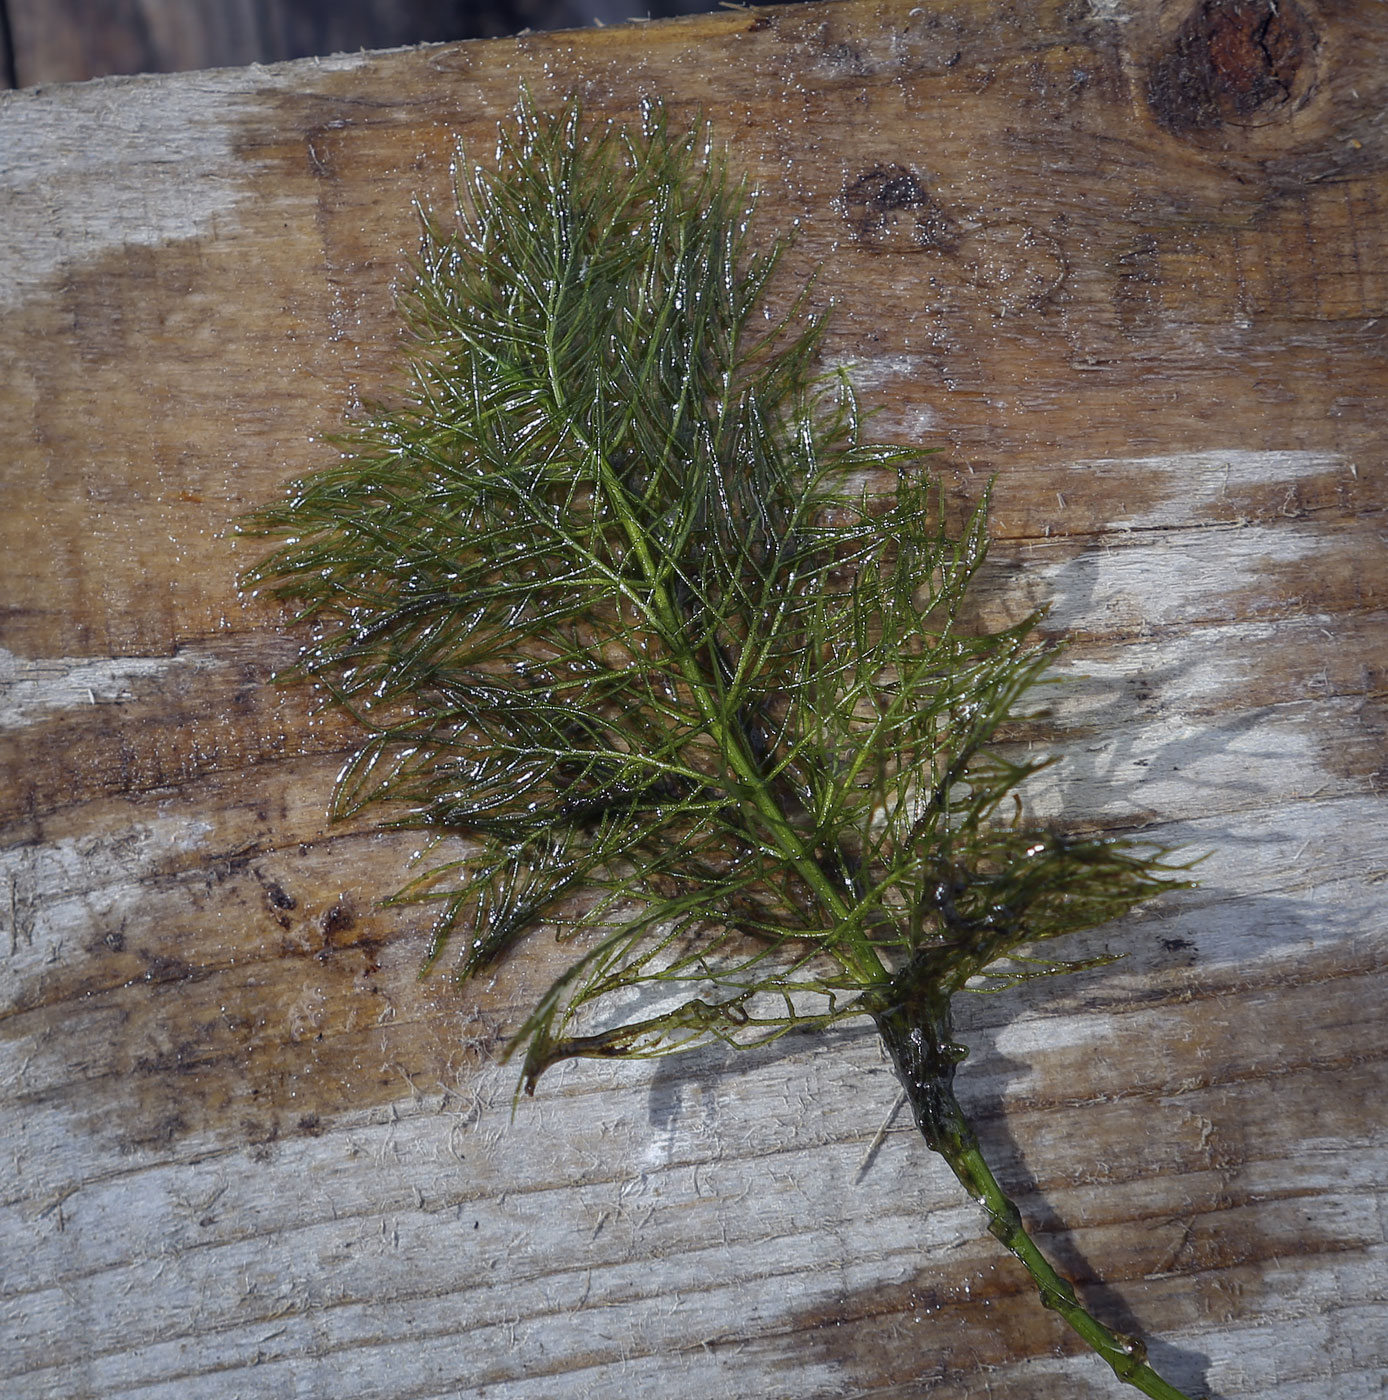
{"x": 621, "y": 591}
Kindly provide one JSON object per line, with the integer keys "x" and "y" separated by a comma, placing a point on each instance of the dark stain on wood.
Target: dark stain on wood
{"x": 890, "y": 208}
{"x": 171, "y": 725}
{"x": 278, "y": 898}
{"x": 231, "y": 1011}
{"x": 1233, "y": 62}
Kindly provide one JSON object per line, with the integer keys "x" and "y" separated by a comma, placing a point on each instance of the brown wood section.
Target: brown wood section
{"x": 1128, "y": 257}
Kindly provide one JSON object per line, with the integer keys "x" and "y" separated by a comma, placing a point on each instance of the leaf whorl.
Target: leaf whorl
{"x": 622, "y": 590}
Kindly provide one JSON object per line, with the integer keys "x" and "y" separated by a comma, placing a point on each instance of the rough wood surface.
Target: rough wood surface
{"x": 1130, "y": 256}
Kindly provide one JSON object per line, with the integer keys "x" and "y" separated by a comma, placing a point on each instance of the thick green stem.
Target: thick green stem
{"x": 916, "y": 1030}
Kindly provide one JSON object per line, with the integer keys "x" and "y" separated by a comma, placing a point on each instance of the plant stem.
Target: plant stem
{"x": 916, "y": 1030}
{"x": 854, "y": 950}
{"x": 1126, "y": 1355}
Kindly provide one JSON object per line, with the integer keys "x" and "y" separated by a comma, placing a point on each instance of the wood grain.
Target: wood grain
{"x": 1129, "y": 257}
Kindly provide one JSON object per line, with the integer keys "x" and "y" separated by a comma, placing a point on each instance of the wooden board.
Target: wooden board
{"x": 1128, "y": 256}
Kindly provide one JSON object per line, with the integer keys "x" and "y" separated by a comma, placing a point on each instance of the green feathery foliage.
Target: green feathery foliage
{"x": 622, "y": 591}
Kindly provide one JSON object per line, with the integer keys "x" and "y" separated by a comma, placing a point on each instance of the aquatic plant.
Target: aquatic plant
{"x": 622, "y": 591}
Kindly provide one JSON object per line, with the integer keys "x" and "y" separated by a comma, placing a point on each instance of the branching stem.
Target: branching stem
{"x": 851, "y": 946}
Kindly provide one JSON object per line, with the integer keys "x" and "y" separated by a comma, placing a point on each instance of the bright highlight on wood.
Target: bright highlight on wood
{"x": 623, "y": 591}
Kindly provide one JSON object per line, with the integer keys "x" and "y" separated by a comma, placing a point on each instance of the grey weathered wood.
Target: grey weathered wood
{"x": 248, "y": 1153}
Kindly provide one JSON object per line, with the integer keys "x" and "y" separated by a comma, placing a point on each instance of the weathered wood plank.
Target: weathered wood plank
{"x": 1124, "y": 257}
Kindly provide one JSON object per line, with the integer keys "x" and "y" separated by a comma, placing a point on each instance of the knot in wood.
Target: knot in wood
{"x": 1233, "y": 63}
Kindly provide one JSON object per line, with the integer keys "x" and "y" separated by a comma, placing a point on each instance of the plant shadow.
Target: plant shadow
{"x": 1264, "y": 930}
